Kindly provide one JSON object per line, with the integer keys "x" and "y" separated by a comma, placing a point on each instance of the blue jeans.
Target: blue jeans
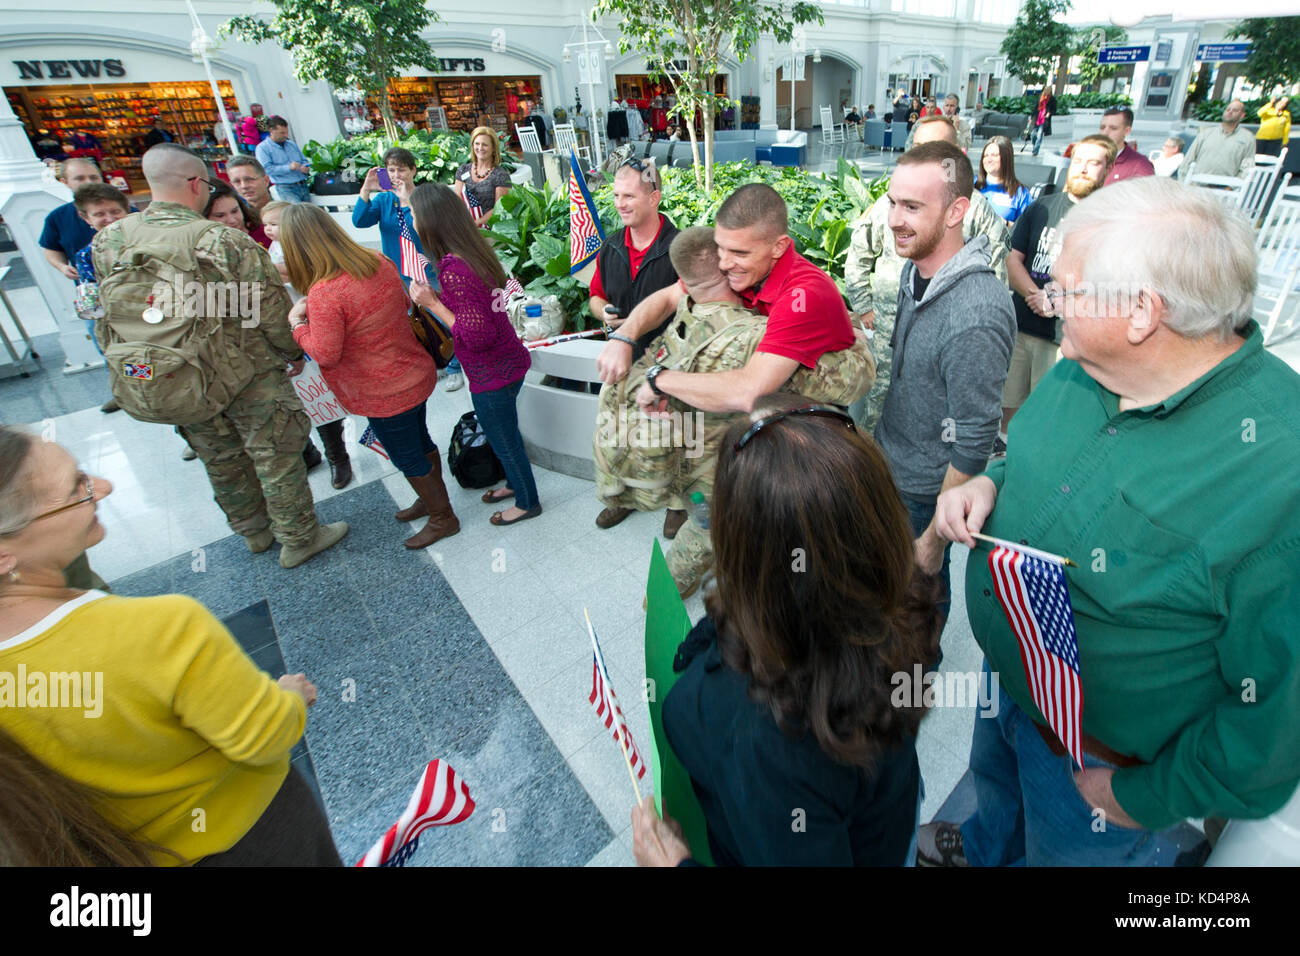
{"x": 1038, "y": 137}
{"x": 1029, "y": 812}
{"x": 406, "y": 439}
{"x": 921, "y": 513}
{"x": 500, "y": 422}
{"x": 294, "y": 192}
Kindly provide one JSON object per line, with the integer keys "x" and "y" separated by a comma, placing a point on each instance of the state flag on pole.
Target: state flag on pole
{"x": 1036, "y": 600}
{"x": 440, "y": 799}
{"x": 585, "y": 232}
{"x": 414, "y": 261}
{"x": 606, "y": 704}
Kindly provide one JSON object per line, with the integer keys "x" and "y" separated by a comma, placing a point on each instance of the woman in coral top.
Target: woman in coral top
{"x": 472, "y": 305}
{"x": 353, "y": 322}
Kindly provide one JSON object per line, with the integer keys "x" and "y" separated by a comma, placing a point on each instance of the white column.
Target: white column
{"x": 764, "y": 51}
{"x": 25, "y": 201}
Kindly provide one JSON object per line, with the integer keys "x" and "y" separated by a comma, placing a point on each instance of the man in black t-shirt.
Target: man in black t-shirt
{"x": 1035, "y": 244}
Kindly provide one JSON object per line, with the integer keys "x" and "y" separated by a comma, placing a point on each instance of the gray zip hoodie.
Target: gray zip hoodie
{"x": 951, "y": 354}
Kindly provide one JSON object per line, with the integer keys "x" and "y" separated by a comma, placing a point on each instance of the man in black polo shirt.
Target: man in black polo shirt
{"x": 632, "y": 264}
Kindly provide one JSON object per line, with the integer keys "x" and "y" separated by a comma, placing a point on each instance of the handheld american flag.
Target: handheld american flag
{"x": 440, "y": 799}
{"x": 1034, "y": 595}
{"x": 371, "y": 441}
{"x": 471, "y": 201}
{"x": 585, "y": 232}
{"x": 414, "y": 261}
{"x": 606, "y": 704}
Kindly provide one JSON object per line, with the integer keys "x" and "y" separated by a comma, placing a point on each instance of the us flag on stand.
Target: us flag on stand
{"x": 606, "y": 704}
{"x": 413, "y": 260}
{"x": 440, "y": 799}
{"x": 1034, "y": 595}
{"x": 585, "y": 232}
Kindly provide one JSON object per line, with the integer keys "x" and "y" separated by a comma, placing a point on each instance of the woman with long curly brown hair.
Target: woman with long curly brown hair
{"x": 783, "y": 710}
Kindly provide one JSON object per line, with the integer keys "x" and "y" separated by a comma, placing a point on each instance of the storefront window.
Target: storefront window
{"x": 120, "y": 117}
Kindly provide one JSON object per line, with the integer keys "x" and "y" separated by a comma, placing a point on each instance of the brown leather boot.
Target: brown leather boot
{"x": 442, "y": 522}
{"x": 420, "y": 509}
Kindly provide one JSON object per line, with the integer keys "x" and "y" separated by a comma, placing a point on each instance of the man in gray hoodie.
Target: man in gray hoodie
{"x": 952, "y": 342}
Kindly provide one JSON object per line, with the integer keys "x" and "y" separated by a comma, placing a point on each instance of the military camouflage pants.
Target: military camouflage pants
{"x": 866, "y": 412}
{"x": 253, "y": 454}
{"x": 690, "y": 555}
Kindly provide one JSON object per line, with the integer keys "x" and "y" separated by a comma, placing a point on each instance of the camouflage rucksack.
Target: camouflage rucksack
{"x": 713, "y": 337}
{"x": 170, "y": 358}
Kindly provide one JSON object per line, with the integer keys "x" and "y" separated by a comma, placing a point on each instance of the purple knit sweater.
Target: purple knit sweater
{"x": 486, "y": 343}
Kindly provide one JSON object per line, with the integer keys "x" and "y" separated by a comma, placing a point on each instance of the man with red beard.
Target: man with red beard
{"x": 952, "y": 340}
{"x": 1035, "y": 244}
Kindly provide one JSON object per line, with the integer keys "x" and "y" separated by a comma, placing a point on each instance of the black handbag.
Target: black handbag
{"x": 470, "y": 457}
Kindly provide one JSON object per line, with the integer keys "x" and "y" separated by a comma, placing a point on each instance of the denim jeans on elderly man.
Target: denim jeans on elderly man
{"x": 1029, "y": 811}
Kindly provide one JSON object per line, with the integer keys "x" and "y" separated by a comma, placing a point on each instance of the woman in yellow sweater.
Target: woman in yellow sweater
{"x": 1274, "y": 126}
{"x": 149, "y": 704}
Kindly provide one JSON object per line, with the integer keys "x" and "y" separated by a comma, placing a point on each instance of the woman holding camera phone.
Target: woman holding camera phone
{"x": 385, "y": 201}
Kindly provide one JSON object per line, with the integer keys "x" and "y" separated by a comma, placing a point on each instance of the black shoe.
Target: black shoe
{"x": 999, "y": 448}
{"x": 311, "y": 456}
{"x": 341, "y": 472}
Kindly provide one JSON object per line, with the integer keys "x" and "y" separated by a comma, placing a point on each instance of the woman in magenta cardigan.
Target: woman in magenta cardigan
{"x": 472, "y": 305}
{"x": 353, "y": 322}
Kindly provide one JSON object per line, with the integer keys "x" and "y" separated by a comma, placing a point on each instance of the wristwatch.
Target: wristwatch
{"x": 615, "y": 337}
{"x": 650, "y": 376}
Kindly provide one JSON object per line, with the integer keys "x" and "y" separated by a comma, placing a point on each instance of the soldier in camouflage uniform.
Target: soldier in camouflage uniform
{"x": 645, "y": 463}
{"x": 874, "y": 266}
{"x": 252, "y": 448}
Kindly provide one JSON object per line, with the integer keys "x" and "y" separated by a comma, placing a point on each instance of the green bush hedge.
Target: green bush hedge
{"x": 1064, "y": 103}
{"x": 438, "y": 154}
{"x": 1211, "y": 111}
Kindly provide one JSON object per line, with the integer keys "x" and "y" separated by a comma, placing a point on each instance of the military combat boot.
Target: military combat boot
{"x": 327, "y": 535}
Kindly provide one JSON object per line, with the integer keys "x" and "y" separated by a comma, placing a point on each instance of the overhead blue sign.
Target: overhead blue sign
{"x": 1223, "y": 52}
{"x": 1124, "y": 54}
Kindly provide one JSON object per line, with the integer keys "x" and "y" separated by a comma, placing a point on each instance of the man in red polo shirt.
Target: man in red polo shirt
{"x": 806, "y": 316}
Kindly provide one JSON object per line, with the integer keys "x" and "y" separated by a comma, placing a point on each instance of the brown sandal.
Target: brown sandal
{"x": 490, "y": 497}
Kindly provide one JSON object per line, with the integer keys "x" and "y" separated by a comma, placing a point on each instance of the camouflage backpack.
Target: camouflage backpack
{"x": 650, "y": 474}
{"x": 170, "y": 357}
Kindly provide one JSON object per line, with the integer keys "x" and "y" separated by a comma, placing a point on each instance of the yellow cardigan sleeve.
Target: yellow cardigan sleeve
{"x": 222, "y": 696}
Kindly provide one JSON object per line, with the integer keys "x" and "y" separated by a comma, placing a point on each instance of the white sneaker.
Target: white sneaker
{"x": 455, "y": 381}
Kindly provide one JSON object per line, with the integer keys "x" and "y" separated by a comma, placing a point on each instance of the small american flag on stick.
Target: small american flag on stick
{"x": 371, "y": 441}
{"x": 1034, "y": 595}
{"x": 440, "y": 799}
{"x": 606, "y": 704}
{"x": 414, "y": 262}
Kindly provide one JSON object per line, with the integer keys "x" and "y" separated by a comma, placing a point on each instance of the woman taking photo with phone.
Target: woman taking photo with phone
{"x": 471, "y": 305}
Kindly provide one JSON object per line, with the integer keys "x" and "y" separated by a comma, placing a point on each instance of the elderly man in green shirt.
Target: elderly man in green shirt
{"x": 1161, "y": 455}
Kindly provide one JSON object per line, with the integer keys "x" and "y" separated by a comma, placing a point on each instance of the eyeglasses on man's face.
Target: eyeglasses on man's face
{"x": 212, "y": 187}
